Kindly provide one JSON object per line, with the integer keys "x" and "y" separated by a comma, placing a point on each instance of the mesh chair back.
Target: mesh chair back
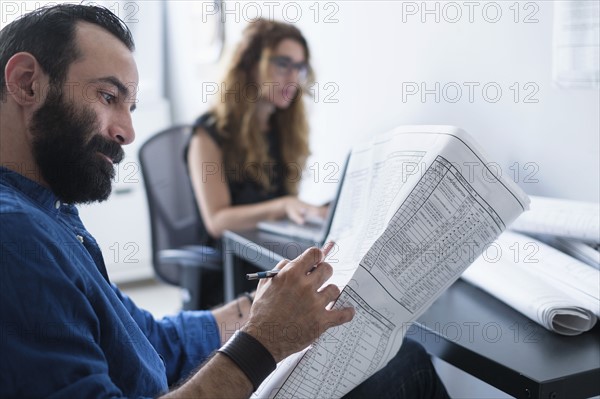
{"x": 174, "y": 217}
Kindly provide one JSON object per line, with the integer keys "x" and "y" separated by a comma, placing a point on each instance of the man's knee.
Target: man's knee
{"x": 413, "y": 350}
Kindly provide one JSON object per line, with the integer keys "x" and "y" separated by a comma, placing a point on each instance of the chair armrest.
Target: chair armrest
{"x": 194, "y": 256}
{"x": 208, "y": 252}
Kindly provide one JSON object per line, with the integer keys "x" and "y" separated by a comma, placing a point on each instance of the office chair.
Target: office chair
{"x": 174, "y": 222}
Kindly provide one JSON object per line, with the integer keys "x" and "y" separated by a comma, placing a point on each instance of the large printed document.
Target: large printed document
{"x": 417, "y": 207}
{"x": 577, "y": 249}
{"x": 555, "y": 290}
{"x": 563, "y": 218}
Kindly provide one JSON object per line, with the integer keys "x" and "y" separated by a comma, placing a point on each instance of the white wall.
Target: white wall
{"x": 377, "y": 50}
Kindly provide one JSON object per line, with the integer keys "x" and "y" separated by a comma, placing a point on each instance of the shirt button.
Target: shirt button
{"x": 80, "y": 238}
{"x": 57, "y": 204}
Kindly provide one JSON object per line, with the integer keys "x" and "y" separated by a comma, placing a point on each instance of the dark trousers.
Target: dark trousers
{"x": 410, "y": 374}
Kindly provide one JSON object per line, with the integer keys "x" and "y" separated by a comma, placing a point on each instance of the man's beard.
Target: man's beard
{"x": 67, "y": 147}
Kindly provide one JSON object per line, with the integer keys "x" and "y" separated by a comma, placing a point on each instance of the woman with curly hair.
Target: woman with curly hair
{"x": 246, "y": 155}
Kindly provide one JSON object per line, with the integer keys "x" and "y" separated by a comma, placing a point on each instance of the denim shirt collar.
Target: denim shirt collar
{"x": 42, "y": 196}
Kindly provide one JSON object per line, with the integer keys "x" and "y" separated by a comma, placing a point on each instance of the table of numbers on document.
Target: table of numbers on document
{"x": 436, "y": 232}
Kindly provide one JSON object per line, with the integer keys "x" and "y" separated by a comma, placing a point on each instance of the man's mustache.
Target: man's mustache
{"x": 110, "y": 148}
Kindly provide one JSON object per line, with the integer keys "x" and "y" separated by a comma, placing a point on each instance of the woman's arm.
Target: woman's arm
{"x": 205, "y": 160}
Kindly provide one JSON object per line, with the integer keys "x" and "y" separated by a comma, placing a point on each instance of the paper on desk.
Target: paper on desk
{"x": 577, "y": 249}
{"x": 549, "y": 287}
{"x": 418, "y": 205}
{"x": 575, "y": 278}
{"x": 563, "y": 218}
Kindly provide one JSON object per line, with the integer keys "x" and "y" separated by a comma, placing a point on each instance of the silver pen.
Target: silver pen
{"x": 261, "y": 275}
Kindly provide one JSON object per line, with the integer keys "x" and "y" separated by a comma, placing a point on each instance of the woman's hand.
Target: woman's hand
{"x": 299, "y": 211}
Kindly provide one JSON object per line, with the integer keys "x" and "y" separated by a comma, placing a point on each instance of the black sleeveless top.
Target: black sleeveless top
{"x": 243, "y": 189}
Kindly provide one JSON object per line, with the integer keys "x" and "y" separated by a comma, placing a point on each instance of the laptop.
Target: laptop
{"x": 314, "y": 229}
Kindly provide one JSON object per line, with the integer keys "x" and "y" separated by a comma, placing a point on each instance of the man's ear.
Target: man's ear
{"x": 23, "y": 76}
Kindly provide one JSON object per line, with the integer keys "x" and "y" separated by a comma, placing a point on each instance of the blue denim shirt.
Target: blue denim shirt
{"x": 65, "y": 331}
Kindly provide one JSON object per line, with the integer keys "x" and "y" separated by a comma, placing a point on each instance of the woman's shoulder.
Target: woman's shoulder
{"x": 204, "y": 130}
{"x": 207, "y": 122}
{"x": 207, "y": 119}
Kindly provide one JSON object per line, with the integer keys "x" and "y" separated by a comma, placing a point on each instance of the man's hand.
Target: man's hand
{"x": 290, "y": 311}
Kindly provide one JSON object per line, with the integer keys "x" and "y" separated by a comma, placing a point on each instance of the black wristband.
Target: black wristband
{"x": 250, "y": 356}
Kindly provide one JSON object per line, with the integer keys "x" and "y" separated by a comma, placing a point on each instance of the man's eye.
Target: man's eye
{"x": 109, "y": 98}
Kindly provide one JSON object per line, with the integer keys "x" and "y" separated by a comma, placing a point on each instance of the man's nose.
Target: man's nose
{"x": 121, "y": 130}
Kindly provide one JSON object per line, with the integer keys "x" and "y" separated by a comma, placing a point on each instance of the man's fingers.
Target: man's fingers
{"x": 308, "y": 260}
{"x": 329, "y": 245}
{"x": 340, "y": 316}
{"x": 330, "y": 292}
{"x": 282, "y": 264}
{"x": 278, "y": 266}
{"x": 336, "y": 316}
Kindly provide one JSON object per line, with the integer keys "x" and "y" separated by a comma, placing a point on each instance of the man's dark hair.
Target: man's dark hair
{"x": 48, "y": 33}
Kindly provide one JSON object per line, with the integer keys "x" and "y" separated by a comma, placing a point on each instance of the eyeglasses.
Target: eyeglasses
{"x": 284, "y": 66}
